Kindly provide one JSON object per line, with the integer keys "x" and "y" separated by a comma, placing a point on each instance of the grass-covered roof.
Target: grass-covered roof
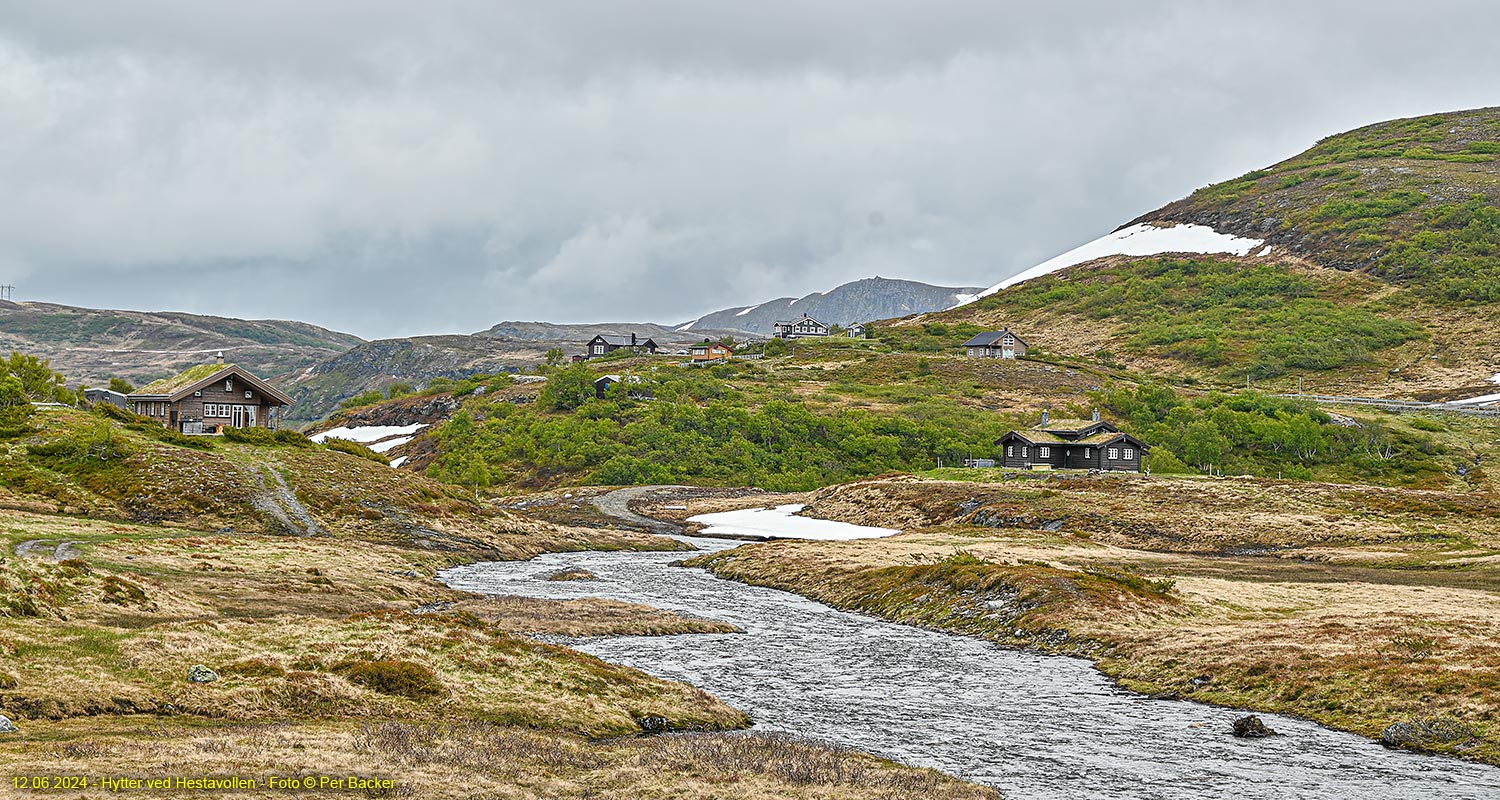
{"x": 182, "y": 380}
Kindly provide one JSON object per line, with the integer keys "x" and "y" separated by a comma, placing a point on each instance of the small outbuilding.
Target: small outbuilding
{"x": 1073, "y": 444}
{"x": 603, "y": 383}
{"x": 97, "y": 396}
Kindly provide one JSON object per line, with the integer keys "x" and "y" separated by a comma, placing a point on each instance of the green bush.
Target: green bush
{"x": 366, "y": 399}
{"x": 356, "y": 449}
{"x": 400, "y": 678}
{"x": 265, "y": 437}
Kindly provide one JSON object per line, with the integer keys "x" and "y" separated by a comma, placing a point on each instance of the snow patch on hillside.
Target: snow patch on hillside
{"x": 390, "y": 444}
{"x": 397, "y": 462}
{"x": 687, "y": 327}
{"x": 1136, "y": 240}
{"x": 364, "y": 434}
{"x": 748, "y": 309}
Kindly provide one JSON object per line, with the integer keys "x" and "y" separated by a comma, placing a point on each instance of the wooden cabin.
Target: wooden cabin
{"x": 1073, "y": 444}
{"x": 799, "y": 328}
{"x": 996, "y": 344}
{"x": 209, "y": 398}
{"x": 711, "y": 351}
{"x": 604, "y": 344}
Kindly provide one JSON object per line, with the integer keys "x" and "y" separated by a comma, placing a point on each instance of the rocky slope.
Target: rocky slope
{"x": 571, "y": 337}
{"x": 93, "y": 345}
{"x": 508, "y": 346}
{"x": 861, "y": 301}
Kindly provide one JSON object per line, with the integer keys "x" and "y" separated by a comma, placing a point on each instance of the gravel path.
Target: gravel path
{"x": 617, "y": 504}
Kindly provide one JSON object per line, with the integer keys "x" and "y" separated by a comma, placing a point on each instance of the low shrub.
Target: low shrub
{"x": 255, "y": 668}
{"x": 400, "y": 678}
{"x": 357, "y": 449}
{"x": 265, "y": 437}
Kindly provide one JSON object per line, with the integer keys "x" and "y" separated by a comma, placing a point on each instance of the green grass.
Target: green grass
{"x": 1407, "y": 200}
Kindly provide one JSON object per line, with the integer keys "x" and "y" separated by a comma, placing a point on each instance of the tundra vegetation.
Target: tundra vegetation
{"x": 303, "y": 578}
{"x": 838, "y": 412}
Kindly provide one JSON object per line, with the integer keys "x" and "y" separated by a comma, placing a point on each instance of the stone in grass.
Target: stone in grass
{"x": 6, "y": 726}
{"x": 1252, "y": 728}
{"x": 198, "y": 673}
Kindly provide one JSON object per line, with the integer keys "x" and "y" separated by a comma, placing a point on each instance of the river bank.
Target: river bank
{"x": 1028, "y": 724}
{"x": 333, "y": 658}
{"x": 1370, "y": 617}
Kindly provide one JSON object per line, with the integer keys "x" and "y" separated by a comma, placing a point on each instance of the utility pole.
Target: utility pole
{"x": 6, "y": 290}
{"x": 1299, "y": 385}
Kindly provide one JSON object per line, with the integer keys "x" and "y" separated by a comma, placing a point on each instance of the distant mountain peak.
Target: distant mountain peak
{"x": 864, "y": 300}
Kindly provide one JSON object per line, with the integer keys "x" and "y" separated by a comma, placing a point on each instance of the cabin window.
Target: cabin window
{"x": 247, "y": 394}
{"x": 1025, "y": 451}
{"x": 229, "y": 384}
{"x": 1088, "y": 452}
{"x": 1010, "y": 451}
{"x": 1044, "y": 452}
{"x": 1114, "y": 453}
{"x": 1129, "y": 453}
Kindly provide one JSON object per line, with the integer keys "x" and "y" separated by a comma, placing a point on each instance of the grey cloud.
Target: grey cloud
{"x": 392, "y": 169}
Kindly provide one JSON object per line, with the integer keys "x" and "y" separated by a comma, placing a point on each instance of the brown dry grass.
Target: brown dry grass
{"x": 587, "y": 617}
{"x": 325, "y": 670}
{"x": 467, "y": 759}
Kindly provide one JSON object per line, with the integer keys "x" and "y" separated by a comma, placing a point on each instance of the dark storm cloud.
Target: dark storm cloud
{"x": 392, "y": 168}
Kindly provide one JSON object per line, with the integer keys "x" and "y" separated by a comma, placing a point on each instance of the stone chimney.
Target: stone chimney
{"x": 1096, "y": 415}
{"x": 1046, "y": 417}
{"x": 219, "y": 357}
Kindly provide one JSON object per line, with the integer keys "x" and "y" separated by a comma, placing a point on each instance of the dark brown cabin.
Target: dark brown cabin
{"x": 1073, "y": 444}
{"x": 209, "y": 398}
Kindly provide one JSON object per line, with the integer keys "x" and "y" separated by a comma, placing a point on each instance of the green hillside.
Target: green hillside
{"x": 1413, "y": 201}
{"x": 1382, "y": 275}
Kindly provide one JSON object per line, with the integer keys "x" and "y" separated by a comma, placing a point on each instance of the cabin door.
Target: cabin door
{"x": 237, "y": 416}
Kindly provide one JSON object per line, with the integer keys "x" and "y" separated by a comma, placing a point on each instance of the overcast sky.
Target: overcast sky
{"x": 394, "y": 168}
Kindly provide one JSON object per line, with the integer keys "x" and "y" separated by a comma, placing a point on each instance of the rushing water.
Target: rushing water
{"x": 1033, "y": 726}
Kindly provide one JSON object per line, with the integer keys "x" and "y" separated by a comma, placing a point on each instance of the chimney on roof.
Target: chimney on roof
{"x": 1046, "y": 417}
{"x": 219, "y": 357}
{"x": 1096, "y": 415}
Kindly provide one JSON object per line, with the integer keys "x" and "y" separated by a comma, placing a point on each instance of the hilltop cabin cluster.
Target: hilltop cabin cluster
{"x": 1091, "y": 444}
{"x": 210, "y": 397}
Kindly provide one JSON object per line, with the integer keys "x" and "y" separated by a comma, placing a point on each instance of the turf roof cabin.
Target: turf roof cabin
{"x": 1073, "y": 444}
{"x": 210, "y": 397}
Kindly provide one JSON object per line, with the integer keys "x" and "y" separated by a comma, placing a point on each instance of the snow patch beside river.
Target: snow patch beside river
{"x": 782, "y": 522}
